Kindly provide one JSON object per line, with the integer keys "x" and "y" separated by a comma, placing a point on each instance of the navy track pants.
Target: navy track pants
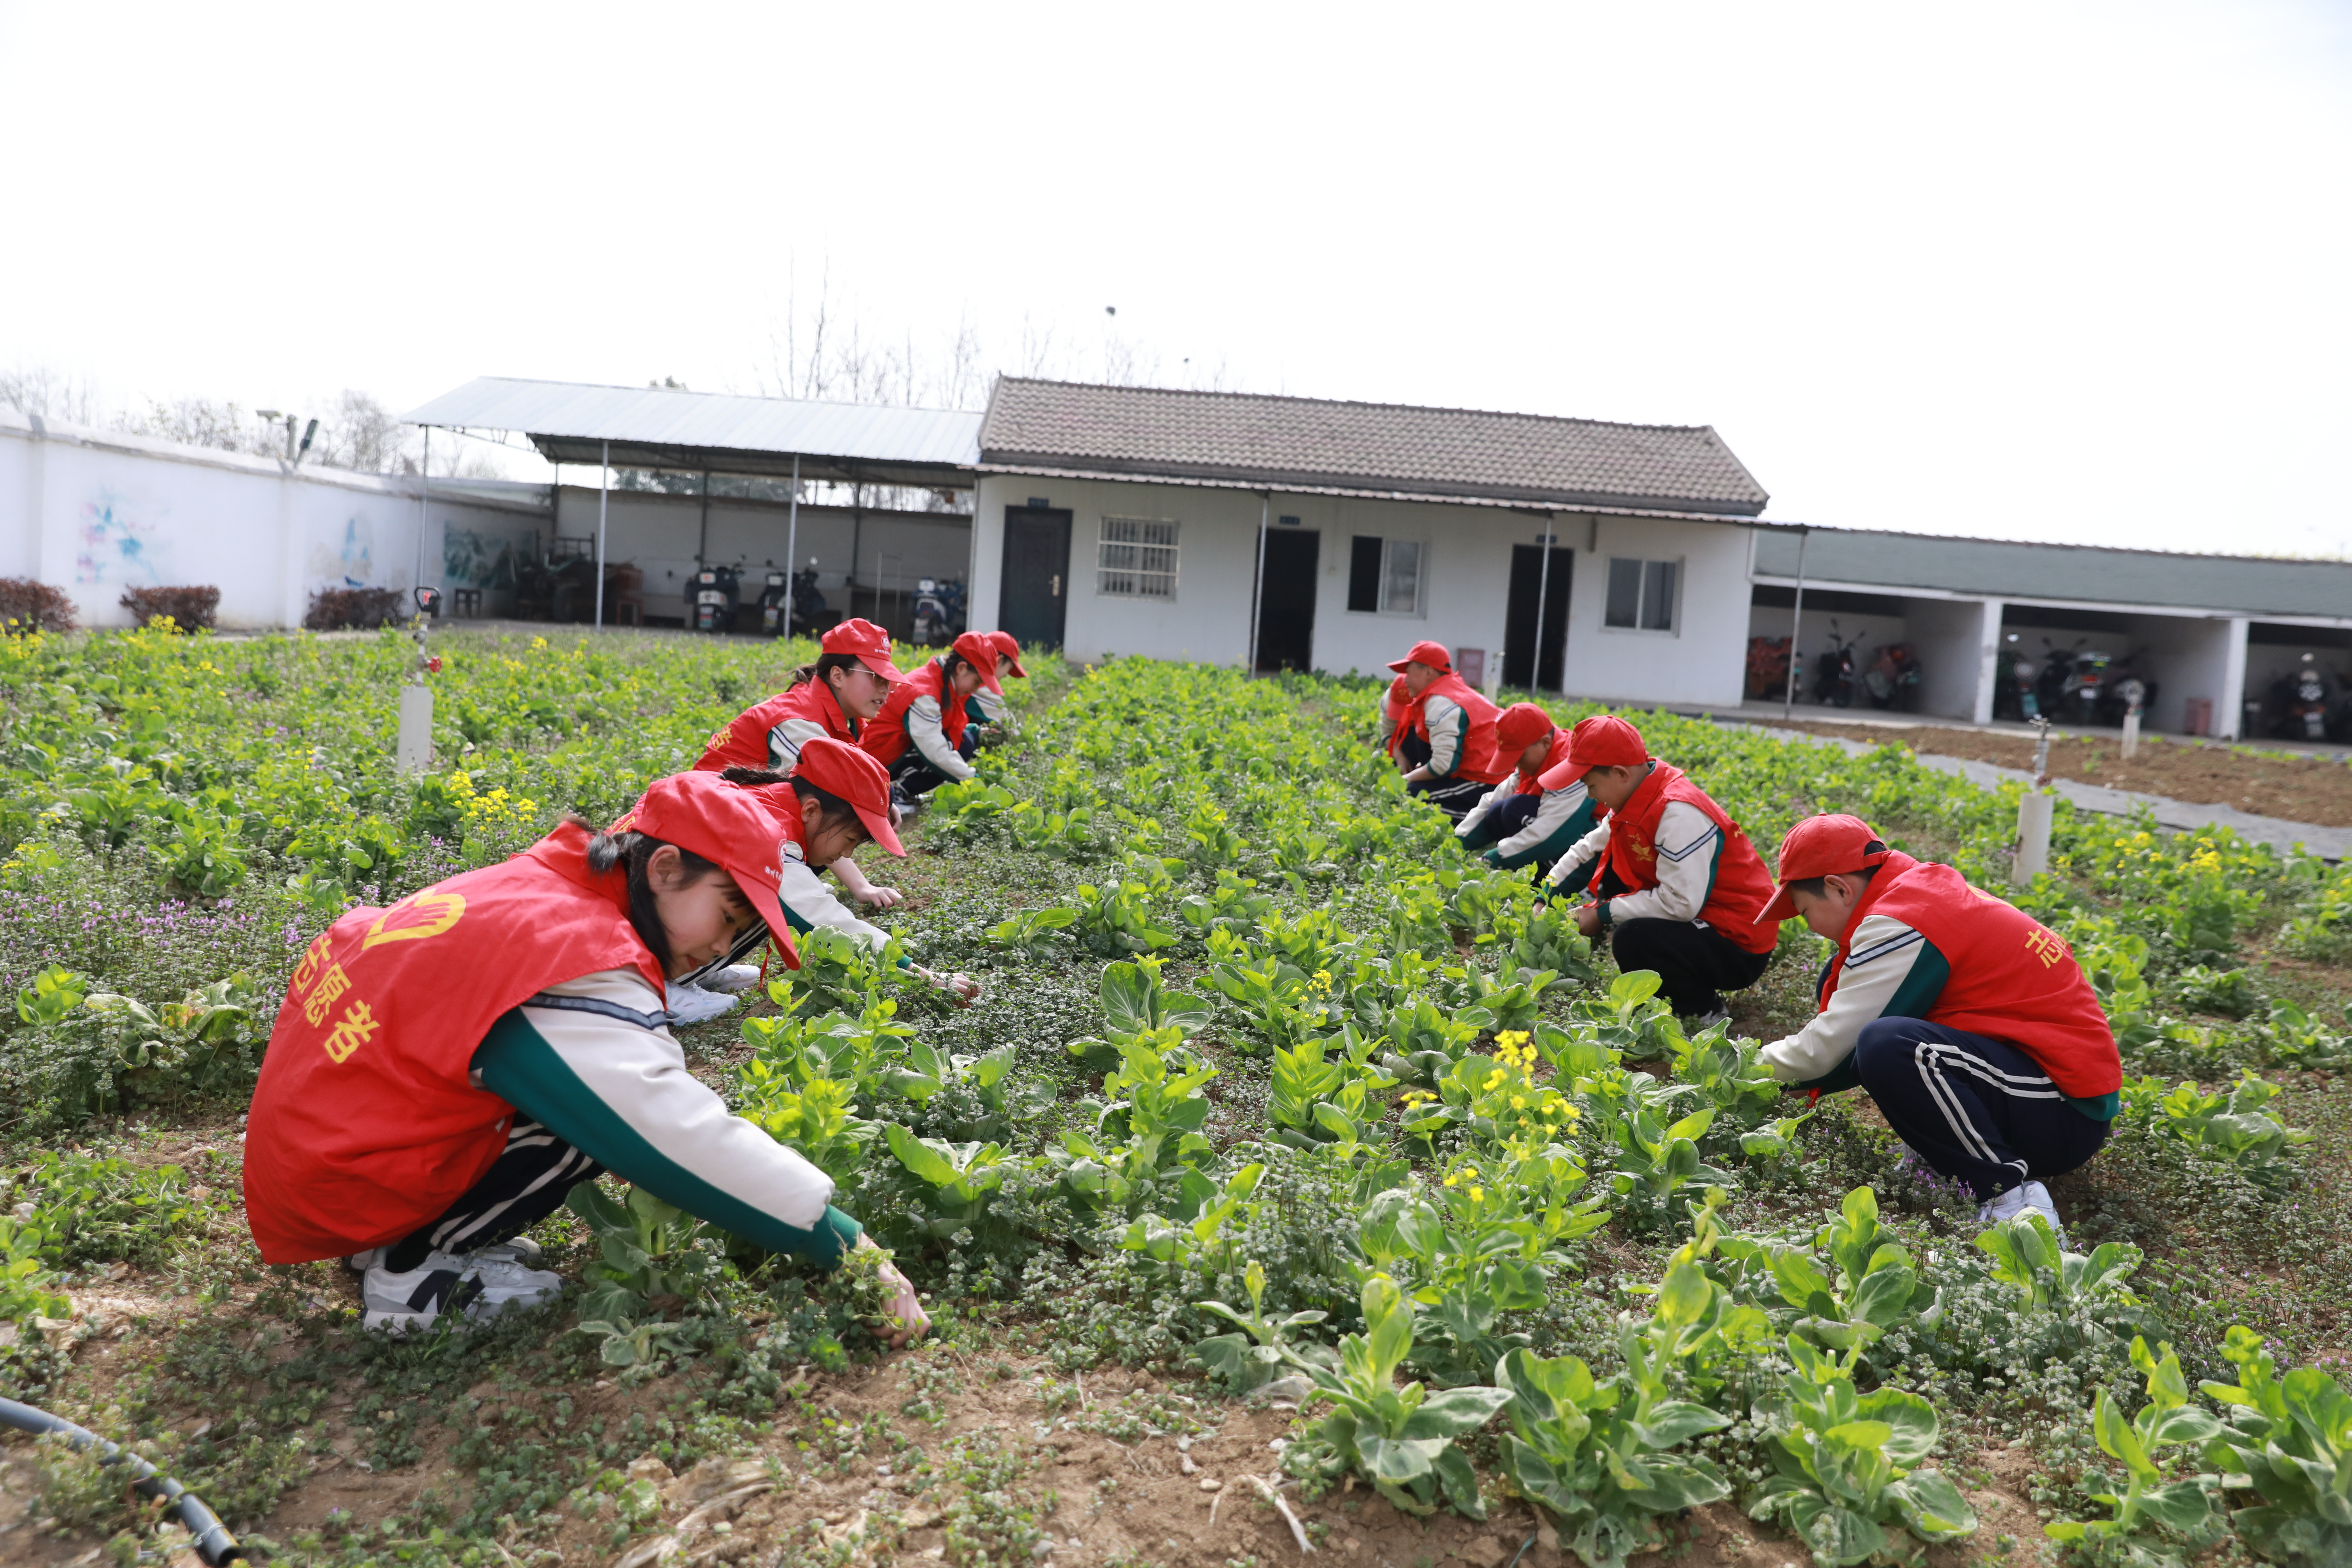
{"x": 1974, "y": 1108}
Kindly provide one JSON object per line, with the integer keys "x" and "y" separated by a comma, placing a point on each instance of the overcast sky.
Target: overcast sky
{"x": 2038, "y": 270}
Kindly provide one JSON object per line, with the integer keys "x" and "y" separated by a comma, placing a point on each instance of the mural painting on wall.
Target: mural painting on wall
{"x": 476, "y": 560}
{"x": 349, "y": 563}
{"x": 117, "y": 547}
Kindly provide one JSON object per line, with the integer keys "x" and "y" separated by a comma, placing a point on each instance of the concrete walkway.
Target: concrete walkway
{"x": 2175, "y": 815}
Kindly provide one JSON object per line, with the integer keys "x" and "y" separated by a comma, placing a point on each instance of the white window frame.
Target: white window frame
{"x": 1420, "y": 610}
{"x": 1105, "y": 572}
{"x": 1673, "y": 627}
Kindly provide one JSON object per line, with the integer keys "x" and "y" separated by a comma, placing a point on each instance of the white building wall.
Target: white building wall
{"x": 93, "y": 513}
{"x": 1467, "y": 564}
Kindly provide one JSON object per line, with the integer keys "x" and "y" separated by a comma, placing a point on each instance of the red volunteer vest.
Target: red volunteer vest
{"x": 363, "y": 1125}
{"x": 2012, "y": 978}
{"x": 1477, "y": 760}
{"x": 885, "y": 738}
{"x": 1396, "y": 708}
{"x": 1532, "y": 782}
{"x": 1742, "y": 886}
{"x": 744, "y": 743}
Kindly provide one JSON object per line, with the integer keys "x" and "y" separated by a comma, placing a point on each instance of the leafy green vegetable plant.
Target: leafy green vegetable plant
{"x": 1399, "y": 1439}
{"x": 2289, "y": 1441}
{"x": 2167, "y": 1419}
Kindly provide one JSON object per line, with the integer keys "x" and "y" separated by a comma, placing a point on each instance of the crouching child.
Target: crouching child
{"x": 1968, "y": 1021}
{"x": 443, "y": 1071}
{"x": 1519, "y": 822}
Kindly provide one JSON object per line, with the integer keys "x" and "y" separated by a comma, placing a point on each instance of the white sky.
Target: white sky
{"x": 2035, "y": 271}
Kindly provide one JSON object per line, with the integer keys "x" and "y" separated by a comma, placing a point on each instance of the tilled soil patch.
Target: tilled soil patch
{"x": 2316, "y": 790}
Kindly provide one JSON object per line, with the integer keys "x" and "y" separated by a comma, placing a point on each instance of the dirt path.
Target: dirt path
{"x": 2269, "y": 783}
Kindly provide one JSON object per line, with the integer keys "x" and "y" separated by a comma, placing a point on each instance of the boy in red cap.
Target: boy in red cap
{"x": 1519, "y": 822}
{"x": 442, "y": 1072}
{"x": 1681, "y": 886}
{"x": 923, "y": 735}
{"x": 1967, "y": 1021}
{"x": 992, "y": 711}
{"x": 1455, "y": 725}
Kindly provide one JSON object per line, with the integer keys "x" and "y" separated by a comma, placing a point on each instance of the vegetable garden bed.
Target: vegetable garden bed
{"x": 1288, "y": 1149}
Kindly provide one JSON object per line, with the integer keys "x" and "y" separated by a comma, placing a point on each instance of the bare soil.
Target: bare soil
{"x": 2316, "y": 790}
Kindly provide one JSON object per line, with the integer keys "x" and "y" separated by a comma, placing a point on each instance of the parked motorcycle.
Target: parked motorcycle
{"x": 1893, "y": 679}
{"x": 773, "y": 593}
{"x": 715, "y": 591}
{"x": 939, "y": 611}
{"x": 2300, "y": 701}
{"x": 2014, "y": 696}
{"x": 2125, "y": 689}
{"x": 811, "y": 614}
{"x": 1833, "y": 683}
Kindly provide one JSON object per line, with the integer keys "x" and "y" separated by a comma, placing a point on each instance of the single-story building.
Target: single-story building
{"x": 1129, "y": 519}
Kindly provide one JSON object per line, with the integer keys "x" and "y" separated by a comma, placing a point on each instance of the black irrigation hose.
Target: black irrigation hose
{"x": 214, "y": 1543}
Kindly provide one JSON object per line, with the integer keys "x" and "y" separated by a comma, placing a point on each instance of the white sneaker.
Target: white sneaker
{"x": 473, "y": 1285}
{"x": 2015, "y": 1203}
{"x": 693, "y": 1004}
{"x": 521, "y": 1250}
{"x": 735, "y": 977}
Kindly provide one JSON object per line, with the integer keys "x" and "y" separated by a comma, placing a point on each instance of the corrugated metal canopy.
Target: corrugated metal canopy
{"x": 658, "y": 427}
{"x": 2006, "y": 569}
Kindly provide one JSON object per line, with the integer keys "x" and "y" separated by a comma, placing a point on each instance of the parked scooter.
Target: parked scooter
{"x": 773, "y": 594}
{"x": 1893, "y": 679}
{"x": 2125, "y": 689}
{"x": 2014, "y": 696}
{"x": 2300, "y": 702}
{"x": 715, "y": 596}
{"x": 811, "y": 614}
{"x": 939, "y": 611}
{"x": 1833, "y": 683}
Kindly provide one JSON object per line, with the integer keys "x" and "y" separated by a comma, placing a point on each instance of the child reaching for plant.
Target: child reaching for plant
{"x": 443, "y": 1071}
{"x": 1456, "y": 761}
{"x": 1680, "y": 887}
{"x": 1520, "y": 822}
{"x": 843, "y": 691}
{"x": 1966, "y": 1020}
{"x": 923, "y": 734}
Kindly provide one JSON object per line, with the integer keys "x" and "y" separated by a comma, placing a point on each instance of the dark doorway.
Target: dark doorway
{"x": 1529, "y": 584}
{"x": 1285, "y": 611}
{"x": 1034, "y": 603}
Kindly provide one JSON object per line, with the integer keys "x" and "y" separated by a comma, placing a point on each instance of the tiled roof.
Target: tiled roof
{"x": 1244, "y": 436}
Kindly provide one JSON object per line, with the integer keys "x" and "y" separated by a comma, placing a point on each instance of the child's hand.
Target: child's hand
{"x": 908, "y": 1321}
{"x": 879, "y": 896}
{"x": 963, "y": 988}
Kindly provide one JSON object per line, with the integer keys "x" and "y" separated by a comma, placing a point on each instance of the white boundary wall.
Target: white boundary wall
{"x": 1467, "y": 564}
{"x": 95, "y": 511}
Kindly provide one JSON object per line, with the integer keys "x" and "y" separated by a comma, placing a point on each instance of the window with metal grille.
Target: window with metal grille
{"x": 1138, "y": 559}
{"x": 1641, "y": 596}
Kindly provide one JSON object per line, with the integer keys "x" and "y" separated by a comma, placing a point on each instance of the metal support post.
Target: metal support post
{"x": 1543, "y": 590}
{"x": 791, "y": 544}
{"x": 1796, "y": 630}
{"x": 1257, "y": 589}
{"x": 604, "y": 500}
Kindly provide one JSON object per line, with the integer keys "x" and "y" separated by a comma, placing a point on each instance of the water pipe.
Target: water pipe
{"x": 214, "y": 1543}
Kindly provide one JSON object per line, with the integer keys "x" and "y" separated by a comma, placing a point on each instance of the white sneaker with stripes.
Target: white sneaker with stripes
{"x": 2014, "y": 1203}
{"x": 472, "y": 1285}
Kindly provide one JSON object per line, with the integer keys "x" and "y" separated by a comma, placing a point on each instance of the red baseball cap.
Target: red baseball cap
{"x": 1521, "y": 725}
{"x": 869, "y": 643}
{"x": 1604, "y": 741}
{"x": 979, "y": 652}
{"x": 726, "y": 825}
{"x": 848, "y": 773}
{"x": 1818, "y": 846}
{"x": 1007, "y": 645}
{"x": 1432, "y": 654}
